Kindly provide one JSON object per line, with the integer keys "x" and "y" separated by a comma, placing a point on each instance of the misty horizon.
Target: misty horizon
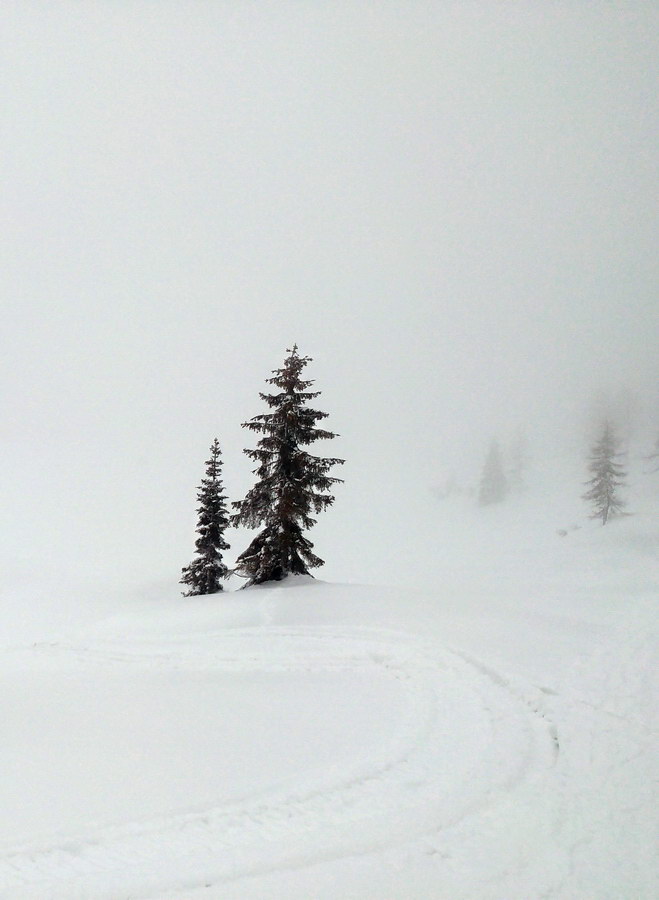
{"x": 449, "y": 207}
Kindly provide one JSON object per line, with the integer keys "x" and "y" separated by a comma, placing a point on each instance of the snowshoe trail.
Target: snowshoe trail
{"x": 466, "y": 737}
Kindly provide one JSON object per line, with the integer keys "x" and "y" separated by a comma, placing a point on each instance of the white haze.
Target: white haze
{"x": 450, "y": 206}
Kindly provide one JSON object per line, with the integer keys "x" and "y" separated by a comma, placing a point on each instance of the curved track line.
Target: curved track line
{"x": 467, "y": 735}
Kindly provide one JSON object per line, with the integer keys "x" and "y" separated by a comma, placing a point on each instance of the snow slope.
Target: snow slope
{"x": 491, "y": 737}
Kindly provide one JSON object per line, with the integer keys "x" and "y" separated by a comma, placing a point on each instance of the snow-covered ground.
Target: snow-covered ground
{"x": 490, "y": 735}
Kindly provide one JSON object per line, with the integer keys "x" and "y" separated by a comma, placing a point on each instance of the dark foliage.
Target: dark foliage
{"x": 291, "y": 483}
{"x": 205, "y": 573}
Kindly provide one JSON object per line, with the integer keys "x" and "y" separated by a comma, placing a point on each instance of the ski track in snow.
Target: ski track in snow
{"x": 497, "y": 730}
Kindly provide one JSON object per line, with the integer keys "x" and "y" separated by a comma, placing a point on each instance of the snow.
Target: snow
{"x": 492, "y": 734}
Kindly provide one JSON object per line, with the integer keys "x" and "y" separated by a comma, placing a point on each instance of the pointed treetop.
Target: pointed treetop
{"x": 204, "y": 575}
{"x": 292, "y": 484}
{"x": 213, "y": 462}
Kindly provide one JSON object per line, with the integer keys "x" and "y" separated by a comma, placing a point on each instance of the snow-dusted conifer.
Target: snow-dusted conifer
{"x": 205, "y": 573}
{"x": 608, "y": 476}
{"x": 494, "y": 485}
{"x": 291, "y": 482}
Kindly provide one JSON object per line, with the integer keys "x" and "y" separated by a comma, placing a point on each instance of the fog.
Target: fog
{"x": 451, "y": 207}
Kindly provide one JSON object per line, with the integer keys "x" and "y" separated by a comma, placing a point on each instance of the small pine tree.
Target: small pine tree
{"x": 291, "y": 482}
{"x": 205, "y": 573}
{"x": 494, "y": 485}
{"x": 608, "y": 476}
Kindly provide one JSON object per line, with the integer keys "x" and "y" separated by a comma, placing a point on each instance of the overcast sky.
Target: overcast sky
{"x": 450, "y": 206}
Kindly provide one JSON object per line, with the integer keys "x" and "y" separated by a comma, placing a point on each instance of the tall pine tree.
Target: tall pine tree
{"x": 608, "y": 476}
{"x": 205, "y": 573}
{"x": 292, "y": 484}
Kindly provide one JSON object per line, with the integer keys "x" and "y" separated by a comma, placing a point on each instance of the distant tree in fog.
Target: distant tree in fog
{"x": 608, "y": 476}
{"x": 205, "y": 573}
{"x": 493, "y": 485}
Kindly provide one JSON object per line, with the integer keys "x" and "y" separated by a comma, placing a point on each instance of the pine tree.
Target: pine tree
{"x": 608, "y": 476}
{"x": 291, "y": 482}
{"x": 493, "y": 486}
{"x": 205, "y": 573}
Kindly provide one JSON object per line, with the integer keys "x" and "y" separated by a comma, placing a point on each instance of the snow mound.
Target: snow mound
{"x": 274, "y": 740}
